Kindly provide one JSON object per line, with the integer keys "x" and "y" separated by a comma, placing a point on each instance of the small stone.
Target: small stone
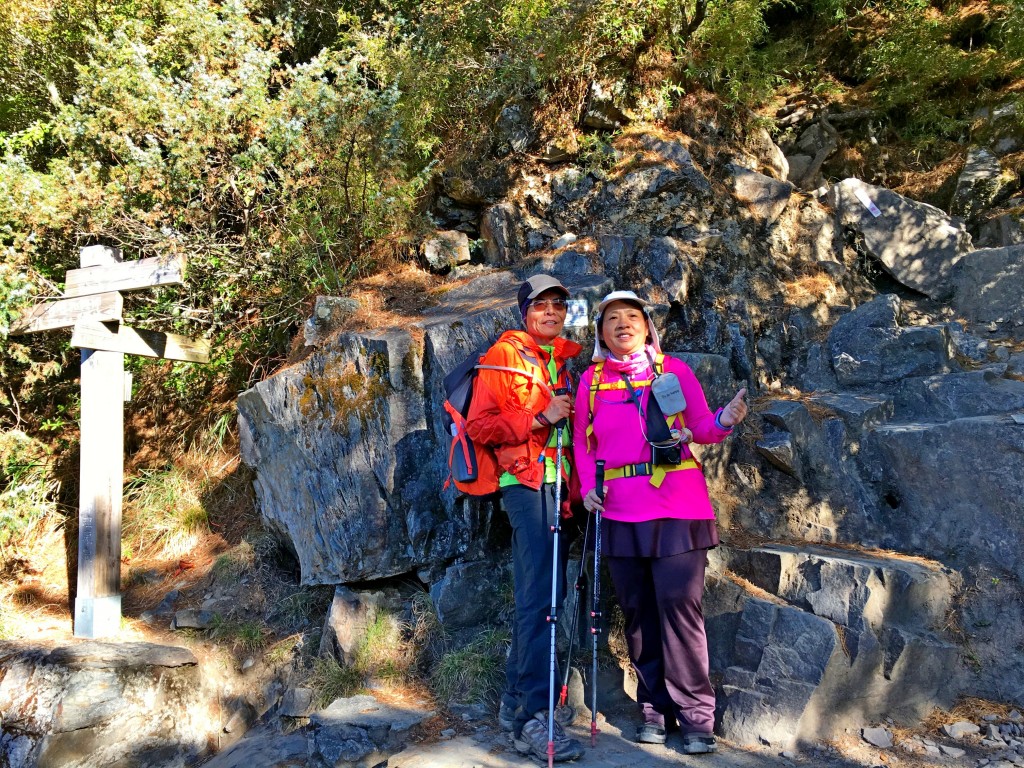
{"x": 877, "y": 737}
{"x": 248, "y": 664}
{"x": 960, "y": 729}
{"x": 928, "y": 742}
{"x": 447, "y": 733}
{"x": 1015, "y": 716}
{"x": 990, "y": 718}
{"x": 566, "y": 239}
{"x": 992, "y": 731}
{"x": 953, "y": 752}
{"x": 789, "y": 754}
{"x": 932, "y": 750}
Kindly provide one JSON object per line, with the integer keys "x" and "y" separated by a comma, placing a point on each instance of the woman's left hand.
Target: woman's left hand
{"x": 736, "y": 411}
{"x": 592, "y": 501}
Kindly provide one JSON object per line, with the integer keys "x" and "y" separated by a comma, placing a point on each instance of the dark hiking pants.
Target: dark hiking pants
{"x": 531, "y": 514}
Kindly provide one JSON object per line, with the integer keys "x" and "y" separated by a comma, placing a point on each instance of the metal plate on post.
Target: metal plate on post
{"x": 97, "y": 616}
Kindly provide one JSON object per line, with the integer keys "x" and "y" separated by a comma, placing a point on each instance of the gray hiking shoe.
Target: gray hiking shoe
{"x": 699, "y": 744}
{"x": 564, "y": 716}
{"x": 534, "y": 740}
{"x": 506, "y": 716}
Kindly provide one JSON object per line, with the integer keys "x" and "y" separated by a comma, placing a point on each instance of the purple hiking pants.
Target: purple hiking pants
{"x": 661, "y": 600}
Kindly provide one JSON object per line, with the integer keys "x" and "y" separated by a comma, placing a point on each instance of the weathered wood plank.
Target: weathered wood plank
{"x": 125, "y": 276}
{"x": 99, "y": 255}
{"x": 64, "y": 313}
{"x": 90, "y": 334}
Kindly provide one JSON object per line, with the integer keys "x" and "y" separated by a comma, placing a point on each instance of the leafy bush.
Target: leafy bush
{"x": 194, "y": 136}
{"x": 27, "y": 494}
{"x": 923, "y": 76}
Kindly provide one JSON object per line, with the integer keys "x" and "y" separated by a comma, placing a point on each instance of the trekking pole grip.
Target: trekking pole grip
{"x": 599, "y": 479}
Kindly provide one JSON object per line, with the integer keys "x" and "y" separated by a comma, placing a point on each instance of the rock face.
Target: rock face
{"x": 878, "y": 425}
{"x": 869, "y": 346}
{"x": 349, "y": 449}
{"x": 989, "y": 283}
{"x": 354, "y": 732}
{"x": 852, "y": 638}
{"x": 73, "y": 706}
{"x": 917, "y": 243}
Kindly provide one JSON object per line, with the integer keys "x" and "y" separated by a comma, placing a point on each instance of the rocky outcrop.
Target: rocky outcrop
{"x": 871, "y": 346}
{"x": 917, "y": 243}
{"x": 95, "y": 704}
{"x": 878, "y": 424}
{"x": 349, "y": 449}
{"x": 850, "y": 638}
{"x": 988, "y": 285}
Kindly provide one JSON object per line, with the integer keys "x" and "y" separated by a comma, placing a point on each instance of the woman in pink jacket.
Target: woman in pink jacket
{"x": 657, "y": 520}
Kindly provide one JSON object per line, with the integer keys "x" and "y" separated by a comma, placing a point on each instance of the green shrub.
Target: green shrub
{"x": 474, "y": 672}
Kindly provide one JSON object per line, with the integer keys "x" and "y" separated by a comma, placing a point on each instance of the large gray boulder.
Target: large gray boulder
{"x": 766, "y": 197}
{"x": 989, "y": 284}
{"x": 869, "y": 346}
{"x": 953, "y": 490}
{"x": 917, "y": 243}
{"x": 959, "y": 395}
{"x": 327, "y": 438}
{"x": 349, "y": 447}
{"x": 779, "y": 659}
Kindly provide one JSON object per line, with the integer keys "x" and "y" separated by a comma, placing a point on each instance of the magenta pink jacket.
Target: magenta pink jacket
{"x": 618, "y": 440}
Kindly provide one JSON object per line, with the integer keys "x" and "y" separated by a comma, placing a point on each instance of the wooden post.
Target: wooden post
{"x": 101, "y": 479}
{"x": 93, "y": 304}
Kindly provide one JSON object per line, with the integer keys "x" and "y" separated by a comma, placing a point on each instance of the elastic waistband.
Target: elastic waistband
{"x": 656, "y": 472}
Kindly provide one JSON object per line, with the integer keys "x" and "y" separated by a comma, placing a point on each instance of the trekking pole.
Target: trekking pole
{"x": 556, "y": 528}
{"x": 595, "y": 605}
{"x": 564, "y": 695}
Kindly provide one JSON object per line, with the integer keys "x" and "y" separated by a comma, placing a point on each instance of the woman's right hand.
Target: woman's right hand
{"x": 592, "y": 502}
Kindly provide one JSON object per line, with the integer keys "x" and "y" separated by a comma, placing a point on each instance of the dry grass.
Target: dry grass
{"x": 967, "y": 708}
{"x": 753, "y": 589}
{"x": 395, "y": 298}
{"x": 809, "y": 289}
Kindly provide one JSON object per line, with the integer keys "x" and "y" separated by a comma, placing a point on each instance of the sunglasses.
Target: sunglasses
{"x": 543, "y": 305}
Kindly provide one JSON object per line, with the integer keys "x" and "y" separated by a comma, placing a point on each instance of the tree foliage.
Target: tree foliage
{"x": 286, "y": 146}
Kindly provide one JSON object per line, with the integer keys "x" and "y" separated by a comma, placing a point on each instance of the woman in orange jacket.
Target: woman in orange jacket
{"x": 521, "y": 396}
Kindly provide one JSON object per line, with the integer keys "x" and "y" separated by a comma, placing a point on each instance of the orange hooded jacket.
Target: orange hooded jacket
{"x": 505, "y": 403}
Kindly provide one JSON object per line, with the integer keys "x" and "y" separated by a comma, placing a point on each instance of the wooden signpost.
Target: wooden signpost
{"x": 92, "y": 305}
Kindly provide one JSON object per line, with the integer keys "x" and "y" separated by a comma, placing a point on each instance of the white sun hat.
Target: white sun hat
{"x": 600, "y": 353}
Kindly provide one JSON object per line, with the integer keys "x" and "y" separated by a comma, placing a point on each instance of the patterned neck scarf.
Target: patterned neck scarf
{"x": 635, "y": 365}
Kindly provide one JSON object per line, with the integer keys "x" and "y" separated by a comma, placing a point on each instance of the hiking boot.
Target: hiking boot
{"x": 699, "y": 744}
{"x": 650, "y": 733}
{"x": 506, "y": 716}
{"x": 564, "y": 716}
{"x": 533, "y": 740}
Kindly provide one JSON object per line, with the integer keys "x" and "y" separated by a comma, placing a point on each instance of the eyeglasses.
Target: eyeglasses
{"x": 543, "y": 305}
